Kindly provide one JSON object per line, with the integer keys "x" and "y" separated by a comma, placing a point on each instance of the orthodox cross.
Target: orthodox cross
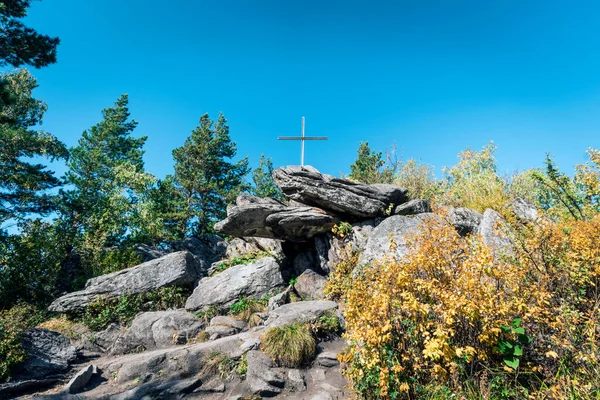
{"x": 302, "y": 140}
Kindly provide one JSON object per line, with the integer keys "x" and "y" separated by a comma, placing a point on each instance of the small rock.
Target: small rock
{"x": 261, "y": 378}
{"x": 213, "y": 386}
{"x": 327, "y": 359}
{"x": 310, "y": 285}
{"x": 295, "y": 381}
{"x": 417, "y": 206}
{"x": 317, "y": 375}
{"x": 223, "y": 320}
{"x": 524, "y": 210}
{"x": 279, "y": 299}
{"x": 219, "y": 331}
{"x": 78, "y": 382}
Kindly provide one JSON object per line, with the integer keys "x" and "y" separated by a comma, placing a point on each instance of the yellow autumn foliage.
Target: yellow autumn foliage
{"x": 454, "y": 317}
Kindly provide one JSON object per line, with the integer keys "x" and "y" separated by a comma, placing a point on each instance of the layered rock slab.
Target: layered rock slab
{"x": 175, "y": 269}
{"x": 275, "y": 221}
{"x": 306, "y": 185}
{"x": 253, "y": 280}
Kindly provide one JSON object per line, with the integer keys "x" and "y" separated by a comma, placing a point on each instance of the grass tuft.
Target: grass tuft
{"x": 290, "y": 345}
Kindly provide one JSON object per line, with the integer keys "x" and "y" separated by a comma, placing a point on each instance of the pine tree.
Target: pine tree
{"x": 206, "y": 177}
{"x": 21, "y": 45}
{"x": 369, "y": 166}
{"x": 24, "y": 185}
{"x": 107, "y": 171}
{"x": 262, "y": 176}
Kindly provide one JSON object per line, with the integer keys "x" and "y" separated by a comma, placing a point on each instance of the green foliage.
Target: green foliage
{"x": 19, "y": 44}
{"x": 370, "y": 166}
{"x": 208, "y": 314}
{"x": 510, "y": 345}
{"x": 242, "y": 368}
{"x": 246, "y": 308}
{"x": 327, "y": 326}
{"x": 106, "y": 170}
{"x": 418, "y": 179}
{"x": 206, "y": 178}
{"x": 560, "y": 193}
{"x": 291, "y": 345}
{"x": 240, "y": 260}
{"x": 102, "y": 312}
{"x": 216, "y": 363}
{"x": 262, "y": 177}
{"x": 342, "y": 229}
{"x": 24, "y": 185}
{"x": 473, "y": 182}
{"x": 13, "y": 323}
{"x": 29, "y": 264}
{"x": 107, "y": 260}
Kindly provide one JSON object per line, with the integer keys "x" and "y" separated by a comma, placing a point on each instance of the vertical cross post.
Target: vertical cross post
{"x": 302, "y": 139}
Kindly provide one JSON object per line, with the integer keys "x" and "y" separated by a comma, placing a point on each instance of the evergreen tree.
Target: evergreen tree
{"x": 262, "y": 176}
{"x": 369, "y": 166}
{"x": 110, "y": 185}
{"x": 21, "y": 45}
{"x": 206, "y": 177}
{"x": 24, "y": 185}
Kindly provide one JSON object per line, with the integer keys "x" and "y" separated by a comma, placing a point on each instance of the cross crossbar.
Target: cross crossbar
{"x": 302, "y": 139}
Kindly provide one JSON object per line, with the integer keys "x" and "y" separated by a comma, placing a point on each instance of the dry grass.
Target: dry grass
{"x": 290, "y": 346}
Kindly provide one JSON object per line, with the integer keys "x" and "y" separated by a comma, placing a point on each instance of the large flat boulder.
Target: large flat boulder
{"x": 254, "y": 280}
{"x": 158, "y": 329}
{"x": 275, "y": 221}
{"x": 308, "y": 186}
{"x": 175, "y": 269}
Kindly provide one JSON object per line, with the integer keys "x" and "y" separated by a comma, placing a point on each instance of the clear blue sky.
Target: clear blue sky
{"x": 434, "y": 77}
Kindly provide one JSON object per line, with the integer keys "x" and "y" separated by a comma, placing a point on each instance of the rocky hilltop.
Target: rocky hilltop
{"x": 275, "y": 251}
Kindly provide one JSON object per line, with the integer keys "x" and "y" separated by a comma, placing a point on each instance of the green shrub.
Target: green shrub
{"x": 290, "y": 346}
{"x": 241, "y": 260}
{"x": 342, "y": 230}
{"x": 208, "y": 314}
{"x": 13, "y": 323}
{"x": 216, "y": 363}
{"x": 102, "y": 312}
{"x": 327, "y": 326}
{"x": 245, "y": 308}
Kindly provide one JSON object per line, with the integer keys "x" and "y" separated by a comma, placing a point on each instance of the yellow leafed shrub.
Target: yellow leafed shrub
{"x": 452, "y": 317}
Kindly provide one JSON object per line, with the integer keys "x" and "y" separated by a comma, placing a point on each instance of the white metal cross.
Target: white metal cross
{"x": 302, "y": 140}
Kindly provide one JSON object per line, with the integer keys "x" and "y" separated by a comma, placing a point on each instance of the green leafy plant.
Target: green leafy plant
{"x": 102, "y": 312}
{"x": 241, "y": 260}
{"x": 290, "y": 345}
{"x": 216, "y": 363}
{"x": 246, "y": 309}
{"x": 242, "y": 367}
{"x": 327, "y": 326}
{"x": 208, "y": 314}
{"x": 512, "y": 342}
{"x": 13, "y": 324}
{"x": 342, "y": 229}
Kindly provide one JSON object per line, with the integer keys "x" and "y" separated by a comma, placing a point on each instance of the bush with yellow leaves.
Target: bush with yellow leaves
{"x": 451, "y": 316}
